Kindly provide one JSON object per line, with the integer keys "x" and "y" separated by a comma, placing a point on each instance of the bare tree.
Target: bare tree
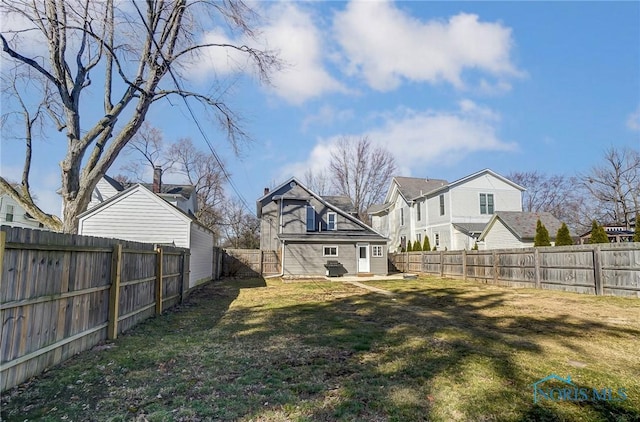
{"x": 139, "y": 48}
{"x": 150, "y": 151}
{"x": 31, "y": 118}
{"x": 241, "y": 228}
{"x": 361, "y": 171}
{"x": 615, "y": 185}
{"x": 318, "y": 181}
{"x": 207, "y": 175}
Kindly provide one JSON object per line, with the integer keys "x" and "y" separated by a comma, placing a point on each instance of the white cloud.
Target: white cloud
{"x": 289, "y": 31}
{"x": 633, "y": 121}
{"x": 327, "y": 115}
{"x": 421, "y": 138}
{"x": 386, "y": 46}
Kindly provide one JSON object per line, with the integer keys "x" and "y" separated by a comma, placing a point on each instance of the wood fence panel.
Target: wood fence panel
{"x": 452, "y": 264}
{"x": 242, "y": 263}
{"x": 415, "y": 262}
{"x": 621, "y": 270}
{"x": 610, "y": 269}
{"x": 271, "y": 263}
{"x": 55, "y": 295}
{"x": 567, "y": 269}
{"x": 517, "y": 268}
{"x": 480, "y": 265}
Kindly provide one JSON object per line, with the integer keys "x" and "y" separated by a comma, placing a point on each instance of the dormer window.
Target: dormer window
{"x": 332, "y": 218}
{"x": 311, "y": 218}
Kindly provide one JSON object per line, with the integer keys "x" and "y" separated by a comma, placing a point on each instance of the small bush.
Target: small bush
{"x": 417, "y": 246}
{"x": 563, "y": 238}
{"x": 636, "y": 235}
{"x": 542, "y": 235}
{"x": 426, "y": 246}
{"x": 598, "y": 234}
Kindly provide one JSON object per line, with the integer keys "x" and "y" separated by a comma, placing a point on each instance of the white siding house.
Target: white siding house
{"x": 12, "y": 214}
{"x": 140, "y": 215}
{"x": 516, "y": 230}
{"x": 452, "y": 214}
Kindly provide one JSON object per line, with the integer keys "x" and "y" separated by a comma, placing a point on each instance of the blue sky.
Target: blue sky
{"x": 449, "y": 87}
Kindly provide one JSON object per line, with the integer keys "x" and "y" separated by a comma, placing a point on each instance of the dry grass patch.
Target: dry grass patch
{"x": 307, "y": 350}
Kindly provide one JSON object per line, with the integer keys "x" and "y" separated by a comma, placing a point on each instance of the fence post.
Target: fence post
{"x": 114, "y": 292}
{"x": 597, "y": 270}
{"x": 159, "y": 270}
{"x": 441, "y": 264}
{"x": 536, "y": 263}
{"x": 495, "y": 266}
{"x": 464, "y": 264}
{"x": 3, "y": 240}
{"x": 185, "y": 271}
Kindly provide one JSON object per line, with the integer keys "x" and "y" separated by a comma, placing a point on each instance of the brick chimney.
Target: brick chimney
{"x": 266, "y": 191}
{"x": 157, "y": 179}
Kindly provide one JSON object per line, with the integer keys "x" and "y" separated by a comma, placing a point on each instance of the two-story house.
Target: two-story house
{"x": 452, "y": 214}
{"x": 310, "y": 230}
{"x": 12, "y": 214}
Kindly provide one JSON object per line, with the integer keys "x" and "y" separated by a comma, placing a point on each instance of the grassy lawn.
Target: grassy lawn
{"x": 441, "y": 350}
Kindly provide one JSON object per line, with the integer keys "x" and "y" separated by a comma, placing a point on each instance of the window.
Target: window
{"x": 330, "y": 251}
{"x": 403, "y": 242}
{"x": 311, "y": 218}
{"x": 486, "y": 203}
{"x": 9, "y": 213}
{"x": 419, "y": 238}
{"x": 437, "y": 239}
{"x": 441, "y": 204}
{"x": 331, "y": 221}
{"x": 419, "y": 211}
{"x": 377, "y": 251}
{"x": 402, "y": 216}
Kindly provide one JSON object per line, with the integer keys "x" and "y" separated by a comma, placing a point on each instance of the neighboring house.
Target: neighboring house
{"x": 508, "y": 230}
{"x": 12, "y": 214}
{"x": 615, "y": 232}
{"x": 310, "y": 230}
{"x": 452, "y": 214}
{"x": 151, "y": 213}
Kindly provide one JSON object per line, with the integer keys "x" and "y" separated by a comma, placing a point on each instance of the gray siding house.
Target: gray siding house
{"x": 308, "y": 230}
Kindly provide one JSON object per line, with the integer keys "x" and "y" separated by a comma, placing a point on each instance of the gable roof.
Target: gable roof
{"x": 475, "y": 175}
{"x": 128, "y": 191}
{"x": 414, "y": 187}
{"x": 523, "y": 224}
{"x": 272, "y": 196}
{"x": 341, "y": 201}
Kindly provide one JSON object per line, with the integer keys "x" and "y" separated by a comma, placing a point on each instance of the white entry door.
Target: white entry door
{"x": 363, "y": 258}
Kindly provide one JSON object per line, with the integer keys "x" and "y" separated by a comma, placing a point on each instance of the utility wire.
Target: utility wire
{"x": 193, "y": 116}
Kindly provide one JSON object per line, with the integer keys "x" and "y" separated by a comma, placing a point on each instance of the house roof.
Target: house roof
{"x": 271, "y": 195}
{"x": 523, "y": 224}
{"x": 473, "y": 176}
{"x": 414, "y": 187}
{"x": 341, "y": 201}
{"x": 165, "y": 188}
{"x": 470, "y": 228}
{"x": 377, "y": 208}
{"x": 127, "y": 191}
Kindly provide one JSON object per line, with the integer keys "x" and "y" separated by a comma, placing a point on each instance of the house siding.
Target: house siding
{"x": 139, "y": 218}
{"x": 201, "y": 261}
{"x": 500, "y": 237}
{"x": 19, "y": 217}
{"x": 103, "y": 191}
{"x": 307, "y": 258}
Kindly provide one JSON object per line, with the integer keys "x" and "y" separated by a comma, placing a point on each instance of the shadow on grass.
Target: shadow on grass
{"x": 321, "y": 353}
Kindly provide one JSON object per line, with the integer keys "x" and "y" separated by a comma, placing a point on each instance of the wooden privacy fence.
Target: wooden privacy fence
{"x": 605, "y": 269}
{"x": 62, "y": 294}
{"x": 250, "y": 263}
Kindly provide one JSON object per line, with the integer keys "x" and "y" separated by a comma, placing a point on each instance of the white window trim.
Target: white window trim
{"x": 375, "y": 248}
{"x": 486, "y": 196}
{"x": 335, "y": 220}
{"x": 324, "y": 250}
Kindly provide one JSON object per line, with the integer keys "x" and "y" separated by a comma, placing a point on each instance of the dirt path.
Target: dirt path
{"x": 371, "y": 288}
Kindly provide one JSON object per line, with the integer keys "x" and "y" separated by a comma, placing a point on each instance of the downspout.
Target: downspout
{"x": 283, "y": 254}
